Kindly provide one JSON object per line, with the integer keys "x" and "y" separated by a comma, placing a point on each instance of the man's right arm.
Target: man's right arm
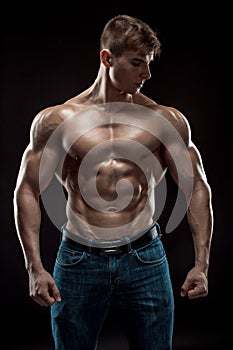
{"x": 27, "y": 210}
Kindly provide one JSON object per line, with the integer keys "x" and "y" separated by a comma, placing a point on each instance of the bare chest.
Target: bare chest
{"x": 109, "y": 140}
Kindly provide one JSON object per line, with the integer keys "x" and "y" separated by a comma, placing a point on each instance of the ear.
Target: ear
{"x": 106, "y": 57}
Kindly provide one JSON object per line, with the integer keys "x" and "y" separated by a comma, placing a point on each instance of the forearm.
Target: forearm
{"x": 200, "y": 219}
{"x": 27, "y": 221}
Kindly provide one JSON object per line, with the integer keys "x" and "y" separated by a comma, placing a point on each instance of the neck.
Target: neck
{"x": 102, "y": 90}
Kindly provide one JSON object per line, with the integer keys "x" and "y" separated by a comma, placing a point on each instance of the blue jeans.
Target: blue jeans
{"x": 138, "y": 282}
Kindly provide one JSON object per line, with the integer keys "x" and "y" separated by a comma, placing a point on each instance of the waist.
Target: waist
{"x": 145, "y": 238}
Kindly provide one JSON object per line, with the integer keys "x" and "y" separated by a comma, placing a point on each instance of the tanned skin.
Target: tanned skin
{"x": 119, "y": 79}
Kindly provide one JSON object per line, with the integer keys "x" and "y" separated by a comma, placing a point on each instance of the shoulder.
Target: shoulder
{"x": 47, "y": 121}
{"x": 177, "y": 120}
{"x": 170, "y": 117}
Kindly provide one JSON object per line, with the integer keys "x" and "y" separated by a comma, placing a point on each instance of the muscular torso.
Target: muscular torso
{"x": 109, "y": 168}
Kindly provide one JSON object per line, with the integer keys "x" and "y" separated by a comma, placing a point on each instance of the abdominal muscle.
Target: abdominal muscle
{"x": 109, "y": 201}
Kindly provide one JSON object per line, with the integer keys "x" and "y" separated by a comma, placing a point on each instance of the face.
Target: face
{"x": 129, "y": 72}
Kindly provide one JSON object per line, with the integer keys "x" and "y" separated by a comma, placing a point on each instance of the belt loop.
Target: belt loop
{"x": 61, "y": 231}
{"x": 90, "y": 246}
{"x": 158, "y": 229}
{"x": 129, "y": 247}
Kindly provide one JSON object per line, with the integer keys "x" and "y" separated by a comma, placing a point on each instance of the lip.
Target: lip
{"x": 140, "y": 85}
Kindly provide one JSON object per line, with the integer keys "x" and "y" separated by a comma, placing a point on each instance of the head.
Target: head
{"x": 128, "y": 45}
{"x": 126, "y": 33}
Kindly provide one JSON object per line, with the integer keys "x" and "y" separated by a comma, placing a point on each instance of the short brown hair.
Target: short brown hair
{"x": 125, "y": 32}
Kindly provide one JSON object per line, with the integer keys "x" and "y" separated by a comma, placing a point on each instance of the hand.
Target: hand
{"x": 43, "y": 288}
{"x": 195, "y": 284}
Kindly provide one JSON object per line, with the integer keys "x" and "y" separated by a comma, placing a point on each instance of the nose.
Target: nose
{"x": 146, "y": 74}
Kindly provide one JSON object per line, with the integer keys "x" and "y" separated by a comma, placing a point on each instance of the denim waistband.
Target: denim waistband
{"x": 151, "y": 232}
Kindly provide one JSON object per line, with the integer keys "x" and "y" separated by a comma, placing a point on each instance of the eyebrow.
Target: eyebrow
{"x": 135, "y": 59}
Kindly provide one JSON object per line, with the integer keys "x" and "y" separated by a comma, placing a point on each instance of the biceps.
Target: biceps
{"x": 179, "y": 162}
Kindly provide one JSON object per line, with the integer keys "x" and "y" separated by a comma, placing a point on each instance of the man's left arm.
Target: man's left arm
{"x": 185, "y": 165}
{"x": 200, "y": 220}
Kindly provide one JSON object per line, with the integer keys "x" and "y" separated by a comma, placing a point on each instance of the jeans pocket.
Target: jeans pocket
{"x": 67, "y": 257}
{"x": 152, "y": 253}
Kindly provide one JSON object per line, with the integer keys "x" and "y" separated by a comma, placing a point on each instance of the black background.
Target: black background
{"x": 50, "y": 55}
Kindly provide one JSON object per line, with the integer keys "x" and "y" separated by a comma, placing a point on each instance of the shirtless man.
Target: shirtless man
{"x": 110, "y": 146}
